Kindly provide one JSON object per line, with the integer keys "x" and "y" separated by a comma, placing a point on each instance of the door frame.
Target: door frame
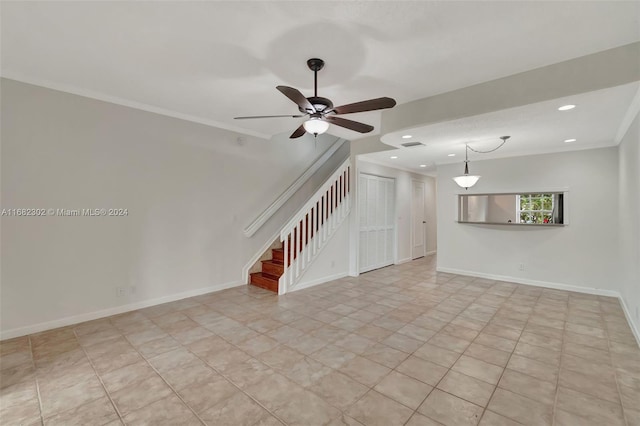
{"x": 424, "y": 225}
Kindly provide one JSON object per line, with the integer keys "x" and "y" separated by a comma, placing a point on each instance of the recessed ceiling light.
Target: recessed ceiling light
{"x": 423, "y": 165}
{"x": 569, "y": 140}
{"x": 407, "y": 137}
{"x": 393, "y": 157}
{"x": 451, "y": 155}
{"x": 566, "y": 107}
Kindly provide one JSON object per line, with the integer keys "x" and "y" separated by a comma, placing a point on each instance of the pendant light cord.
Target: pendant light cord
{"x": 504, "y": 140}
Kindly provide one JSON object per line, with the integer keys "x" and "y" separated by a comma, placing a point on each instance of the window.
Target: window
{"x": 535, "y": 208}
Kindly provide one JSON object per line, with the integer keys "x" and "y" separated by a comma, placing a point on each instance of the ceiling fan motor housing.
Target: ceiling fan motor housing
{"x": 320, "y": 104}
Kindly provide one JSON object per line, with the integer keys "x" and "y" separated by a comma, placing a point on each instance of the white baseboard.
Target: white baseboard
{"x": 526, "y": 281}
{"x": 405, "y": 260}
{"x": 632, "y": 324}
{"x": 556, "y": 286}
{"x": 429, "y": 253}
{"x": 90, "y": 316}
{"x": 318, "y": 281}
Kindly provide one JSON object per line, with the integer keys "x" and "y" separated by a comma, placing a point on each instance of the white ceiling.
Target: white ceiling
{"x": 534, "y": 129}
{"x": 211, "y": 61}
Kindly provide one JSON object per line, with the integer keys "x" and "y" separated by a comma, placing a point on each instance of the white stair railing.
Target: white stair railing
{"x": 311, "y": 228}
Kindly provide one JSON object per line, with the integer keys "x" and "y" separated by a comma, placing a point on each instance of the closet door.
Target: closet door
{"x": 377, "y": 225}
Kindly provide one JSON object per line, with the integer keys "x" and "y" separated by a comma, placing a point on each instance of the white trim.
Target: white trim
{"x": 526, "y": 281}
{"x": 632, "y": 325}
{"x": 401, "y": 261}
{"x": 74, "y": 90}
{"x": 253, "y": 227}
{"x": 629, "y": 116}
{"x": 429, "y": 253}
{"x": 89, "y": 316}
{"x": 257, "y": 256}
{"x": 319, "y": 281}
{"x": 382, "y": 163}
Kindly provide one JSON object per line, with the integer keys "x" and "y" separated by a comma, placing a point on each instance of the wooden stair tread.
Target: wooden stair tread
{"x": 266, "y": 281}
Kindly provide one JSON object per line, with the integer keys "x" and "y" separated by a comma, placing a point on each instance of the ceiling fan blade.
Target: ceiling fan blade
{"x": 349, "y": 124}
{"x": 268, "y": 116}
{"x": 297, "y": 97}
{"x": 299, "y": 132}
{"x": 370, "y": 105}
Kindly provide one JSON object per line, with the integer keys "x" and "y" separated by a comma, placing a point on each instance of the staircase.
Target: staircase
{"x": 272, "y": 270}
{"x": 306, "y": 234}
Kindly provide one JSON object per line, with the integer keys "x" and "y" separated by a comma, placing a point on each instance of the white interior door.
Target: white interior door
{"x": 418, "y": 220}
{"x": 376, "y": 204}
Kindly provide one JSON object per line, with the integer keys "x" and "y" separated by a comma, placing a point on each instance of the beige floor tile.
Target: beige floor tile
{"x": 273, "y": 391}
{"x": 588, "y": 406}
{"x": 20, "y": 374}
{"x": 488, "y": 354}
{"x": 385, "y": 355}
{"x": 355, "y": 343}
{"x": 100, "y": 411}
{"x": 338, "y": 389}
{"x": 538, "y": 390}
{"x": 19, "y": 403}
{"x": 467, "y": 388}
{"x": 402, "y": 342}
{"x": 595, "y": 386}
{"x": 537, "y": 353}
{"x": 520, "y": 408}
{"x": 376, "y": 409}
{"x": 207, "y": 393}
{"x": 140, "y": 394}
{"x": 257, "y": 345}
{"x": 404, "y": 389}
{"x": 489, "y": 418}
{"x": 364, "y": 371}
{"x": 449, "y": 342}
{"x": 55, "y": 400}
{"x": 530, "y": 367}
{"x": 632, "y": 416}
{"x": 423, "y": 370}
{"x": 306, "y": 408}
{"x": 165, "y": 412}
{"x": 333, "y": 356}
{"x": 495, "y": 342}
{"x": 602, "y": 372}
{"x": 437, "y": 355}
{"x": 306, "y": 372}
{"x": 479, "y": 369}
{"x": 286, "y": 354}
{"x": 306, "y": 344}
{"x": 419, "y": 420}
{"x": 127, "y": 376}
{"x": 450, "y": 410}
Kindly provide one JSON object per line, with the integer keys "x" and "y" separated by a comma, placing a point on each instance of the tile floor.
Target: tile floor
{"x": 402, "y": 345}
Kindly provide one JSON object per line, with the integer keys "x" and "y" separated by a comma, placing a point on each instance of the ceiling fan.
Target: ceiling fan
{"x": 321, "y": 111}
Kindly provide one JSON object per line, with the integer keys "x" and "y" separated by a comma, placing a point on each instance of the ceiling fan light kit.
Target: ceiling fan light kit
{"x": 321, "y": 111}
{"x": 466, "y": 180}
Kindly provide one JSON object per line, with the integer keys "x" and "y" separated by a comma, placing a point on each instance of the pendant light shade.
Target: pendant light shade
{"x": 316, "y": 126}
{"x": 466, "y": 181}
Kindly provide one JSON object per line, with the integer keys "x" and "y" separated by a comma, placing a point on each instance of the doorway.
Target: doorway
{"x": 418, "y": 220}
{"x": 377, "y": 230}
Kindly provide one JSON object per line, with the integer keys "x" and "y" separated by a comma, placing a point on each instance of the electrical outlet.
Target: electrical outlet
{"x": 521, "y": 267}
{"x": 333, "y": 263}
{"x": 132, "y": 289}
{"x": 120, "y": 291}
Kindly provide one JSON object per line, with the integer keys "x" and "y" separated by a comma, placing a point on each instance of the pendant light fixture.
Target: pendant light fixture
{"x": 466, "y": 180}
